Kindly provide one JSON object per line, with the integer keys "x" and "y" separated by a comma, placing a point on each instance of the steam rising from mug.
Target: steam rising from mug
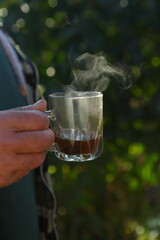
{"x": 94, "y": 73}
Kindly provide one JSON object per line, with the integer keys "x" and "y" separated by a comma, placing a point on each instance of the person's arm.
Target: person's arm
{"x": 24, "y": 138}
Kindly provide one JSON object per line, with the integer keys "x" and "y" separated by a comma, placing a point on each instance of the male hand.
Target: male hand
{"x": 24, "y": 137}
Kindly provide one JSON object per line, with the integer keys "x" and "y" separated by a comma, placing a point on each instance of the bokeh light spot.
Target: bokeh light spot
{"x": 50, "y": 71}
{"x": 3, "y": 12}
{"x": 109, "y": 177}
{"x": 52, "y": 169}
{"x": 62, "y": 211}
{"x": 50, "y": 22}
{"x": 20, "y": 23}
{"x": 25, "y": 8}
{"x": 123, "y": 3}
{"x": 155, "y": 61}
{"x": 52, "y": 3}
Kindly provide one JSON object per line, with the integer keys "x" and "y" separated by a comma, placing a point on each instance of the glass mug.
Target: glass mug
{"x": 77, "y": 120}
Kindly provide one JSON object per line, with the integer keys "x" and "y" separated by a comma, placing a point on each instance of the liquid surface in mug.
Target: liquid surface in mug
{"x": 76, "y": 147}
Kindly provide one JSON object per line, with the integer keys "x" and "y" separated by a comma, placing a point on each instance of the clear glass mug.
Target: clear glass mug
{"x": 77, "y": 121}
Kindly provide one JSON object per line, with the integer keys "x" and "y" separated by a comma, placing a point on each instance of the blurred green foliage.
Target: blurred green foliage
{"x": 116, "y": 196}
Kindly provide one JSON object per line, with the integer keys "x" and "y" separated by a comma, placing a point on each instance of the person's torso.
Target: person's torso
{"x": 18, "y": 217}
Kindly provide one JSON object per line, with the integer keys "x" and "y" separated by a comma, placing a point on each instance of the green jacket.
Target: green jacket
{"x": 20, "y": 201}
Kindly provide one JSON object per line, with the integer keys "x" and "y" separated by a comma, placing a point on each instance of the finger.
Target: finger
{"x": 40, "y": 105}
{"x": 33, "y": 142}
{"x": 25, "y": 120}
{"x": 20, "y": 166}
{"x": 29, "y": 161}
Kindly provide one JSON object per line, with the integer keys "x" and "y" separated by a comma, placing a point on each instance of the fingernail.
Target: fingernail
{"x": 39, "y": 101}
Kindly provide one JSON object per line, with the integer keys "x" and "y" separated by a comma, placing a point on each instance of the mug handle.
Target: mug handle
{"x": 50, "y": 114}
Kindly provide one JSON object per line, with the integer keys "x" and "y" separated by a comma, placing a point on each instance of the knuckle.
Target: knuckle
{"x": 45, "y": 139}
{"x": 50, "y": 135}
{"x": 48, "y": 139}
{"x": 19, "y": 109}
{"x": 41, "y": 119}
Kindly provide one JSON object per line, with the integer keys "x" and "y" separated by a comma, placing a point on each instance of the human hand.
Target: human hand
{"x": 24, "y": 137}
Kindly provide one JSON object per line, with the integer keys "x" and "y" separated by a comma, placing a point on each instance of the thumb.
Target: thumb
{"x": 40, "y": 105}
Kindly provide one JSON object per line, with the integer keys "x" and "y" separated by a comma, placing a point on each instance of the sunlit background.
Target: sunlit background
{"x": 117, "y": 196}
